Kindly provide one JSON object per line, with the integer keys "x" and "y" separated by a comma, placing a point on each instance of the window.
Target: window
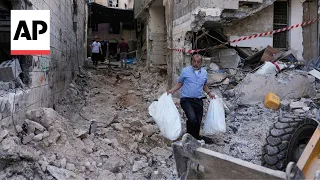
{"x": 280, "y": 20}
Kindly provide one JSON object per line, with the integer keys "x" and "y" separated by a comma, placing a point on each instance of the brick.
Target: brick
{"x": 297, "y": 105}
{"x": 9, "y": 70}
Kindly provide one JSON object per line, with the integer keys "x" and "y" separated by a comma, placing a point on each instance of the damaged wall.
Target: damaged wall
{"x": 157, "y": 35}
{"x": 50, "y": 75}
{"x": 262, "y": 21}
{"x": 295, "y": 35}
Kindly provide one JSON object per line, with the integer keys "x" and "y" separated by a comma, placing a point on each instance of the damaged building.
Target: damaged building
{"x": 33, "y": 81}
{"x": 250, "y": 48}
{"x": 192, "y": 25}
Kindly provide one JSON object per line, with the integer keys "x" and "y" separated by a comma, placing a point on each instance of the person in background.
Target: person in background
{"x": 123, "y": 50}
{"x": 96, "y": 51}
{"x": 193, "y": 81}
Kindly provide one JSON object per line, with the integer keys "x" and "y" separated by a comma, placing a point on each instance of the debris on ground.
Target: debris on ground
{"x": 65, "y": 144}
{"x": 101, "y": 128}
{"x": 249, "y": 122}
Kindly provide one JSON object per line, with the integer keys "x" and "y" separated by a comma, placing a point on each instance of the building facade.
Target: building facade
{"x": 44, "y": 79}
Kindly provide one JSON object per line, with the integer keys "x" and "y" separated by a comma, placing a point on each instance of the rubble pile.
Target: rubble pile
{"x": 108, "y": 134}
{"x": 249, "y": 122}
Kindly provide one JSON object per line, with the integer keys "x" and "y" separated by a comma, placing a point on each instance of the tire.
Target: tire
{"x": 286, "y": 141}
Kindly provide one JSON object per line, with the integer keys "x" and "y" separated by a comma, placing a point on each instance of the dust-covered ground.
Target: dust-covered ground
{"x": 66, "y": 143}
{"x": 101, "y": 129}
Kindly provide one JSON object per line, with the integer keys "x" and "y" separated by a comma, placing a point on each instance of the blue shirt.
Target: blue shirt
{"x": 193, "y": 82}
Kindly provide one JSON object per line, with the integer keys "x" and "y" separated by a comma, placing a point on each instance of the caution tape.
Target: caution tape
{"x": 252, "y": 36}
{"x": 187, "y": 51}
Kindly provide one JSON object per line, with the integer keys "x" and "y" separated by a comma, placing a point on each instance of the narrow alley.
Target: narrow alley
{"x": 163, "y": 89}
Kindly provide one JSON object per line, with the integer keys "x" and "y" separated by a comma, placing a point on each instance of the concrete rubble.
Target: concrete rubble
{"x": 124, "y": 142}
{"x": 57, "y": 144}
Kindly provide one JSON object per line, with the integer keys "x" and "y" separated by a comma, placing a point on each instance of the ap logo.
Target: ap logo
{"x": 30, "y": 32}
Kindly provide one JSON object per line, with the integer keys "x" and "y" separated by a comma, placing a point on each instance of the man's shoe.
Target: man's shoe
{"x": 207, "y": 140}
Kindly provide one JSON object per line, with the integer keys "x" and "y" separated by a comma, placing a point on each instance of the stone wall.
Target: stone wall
{"x": 50, "y": 75}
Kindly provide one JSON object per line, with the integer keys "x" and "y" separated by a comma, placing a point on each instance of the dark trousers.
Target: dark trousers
{"x": 95, "y": 59}
{"x": 193, "y": 109}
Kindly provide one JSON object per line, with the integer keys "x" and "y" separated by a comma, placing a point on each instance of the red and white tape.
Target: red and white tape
{"x": 253, "y": 36}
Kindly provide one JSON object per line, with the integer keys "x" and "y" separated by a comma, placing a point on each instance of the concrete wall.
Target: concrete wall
{"x": 103, "y": 34}
{"x": 295, "y": 35}
{"x": 260, "y": 22}
{"x": 50, "y": 75}
{"x": 157, "y": 32}
{"x": 169, "y": 5}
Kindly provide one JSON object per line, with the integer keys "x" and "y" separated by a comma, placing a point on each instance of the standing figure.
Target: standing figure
{"x": 96, "y": 51}
{"x": 193, "y": 80}
{"x": 123, "y": 49}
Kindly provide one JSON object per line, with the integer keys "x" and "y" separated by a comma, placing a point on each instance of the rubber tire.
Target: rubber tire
{"x": 277, "y": 152}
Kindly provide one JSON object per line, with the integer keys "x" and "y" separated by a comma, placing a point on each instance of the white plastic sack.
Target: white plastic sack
{"x": 215, "y": 119}
{"x": 167, "y": 117}
{"x": 267, "y": 69}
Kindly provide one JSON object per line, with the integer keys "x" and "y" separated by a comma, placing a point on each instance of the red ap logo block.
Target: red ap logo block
{"x": 30, "y": 32}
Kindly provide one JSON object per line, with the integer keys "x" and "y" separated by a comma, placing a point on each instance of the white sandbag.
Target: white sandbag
{"x": 167, "y": 117}
{"x": 215, "y": 119}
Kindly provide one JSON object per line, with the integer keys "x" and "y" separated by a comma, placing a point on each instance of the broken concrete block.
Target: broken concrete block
{"x": 3, "y": 134}
{"x": 298, "y": 111}
{"x": 28, "y": 138}
{"x": 105, "y": 174}
{"x": 142, "y": 151}
{"x": 117, "y": 126}
{"x": 119, "y": 176}
{"x": 149, "y": 129}
{"x": 70, "y": 167}
{"x": 216, "y": 78}
{"x": 46, "y": 134}
{"x": 162, "y": 153}
{"x": 44, "y": 116}
{"x": 80, "y": 133}
{"x": 285, "y": 104}
{"x": 10, "y": 70}
{"x": 19, "y": 129}
{"x": 306, "y": 108}
{"x": 44, "y": 165}
{"x": 297, "y": 105}
{"x": 34, "y": 125}
{"x": 63, "y": 163}
{"x": 54, "y": 135}
{"x": 38, "y": 137}
{"x": 138, "y": 165}
{"x": 61, "y": 174}
{"x": 287, "y": 85}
